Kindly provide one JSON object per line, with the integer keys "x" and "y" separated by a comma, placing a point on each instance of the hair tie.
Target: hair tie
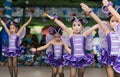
{"x": 105, "y": 8}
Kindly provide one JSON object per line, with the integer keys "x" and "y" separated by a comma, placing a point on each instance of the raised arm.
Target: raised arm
{"x": 69, "y": 32}
{"x": 42, "y": 47}
{"x": 4, "y": 25}
{"x": 22, "y": 28}
{"x": 111, "y": 9}
{"x": 67, "y": 48}
{"x": 95, "y": 17}
{"x": 86, "y": 33}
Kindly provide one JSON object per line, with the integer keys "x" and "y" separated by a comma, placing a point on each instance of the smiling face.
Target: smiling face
{"x": 13, "y": 29}
{"x": 113, "y": 21}
{"x": 77, "y": 27}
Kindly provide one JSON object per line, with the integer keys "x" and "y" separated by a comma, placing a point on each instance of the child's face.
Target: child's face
{"x": 57, "y": 37}
{"x": 13, "y": 29}
{"x": 113, "y": 22}
{"x": 77, "y": 27}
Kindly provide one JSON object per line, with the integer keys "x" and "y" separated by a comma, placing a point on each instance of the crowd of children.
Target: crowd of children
{"x": 75, "y": 55}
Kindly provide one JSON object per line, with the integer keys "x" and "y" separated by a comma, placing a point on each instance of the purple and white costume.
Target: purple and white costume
{"x": 55, "y": 58}
{"x": 110, "y": 55}
{"x": 78, "y": 57}
{"x": 14, "y": 49}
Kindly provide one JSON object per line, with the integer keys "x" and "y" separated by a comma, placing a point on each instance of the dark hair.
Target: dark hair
{"x": 81, "y": 20}
{"x": 15, "y": 22}
{"x": 110, "y": 16}
{"x": 59, "y": 30}
{"x": 54, "y": 30}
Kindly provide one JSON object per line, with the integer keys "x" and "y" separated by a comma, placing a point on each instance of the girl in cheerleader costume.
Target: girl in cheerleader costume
{"x": 55, "y": 57}
{"x": 78, "y": 58}
{"x": 14, "y": 49}
{"x": 110, "y": 56}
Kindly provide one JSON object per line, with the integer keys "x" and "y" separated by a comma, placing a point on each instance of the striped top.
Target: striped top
{"x": 78, "y": 45}
{"x": 58, "y": 50}
{"x": 113, "y": 44}
{"x": 13, "y": 41}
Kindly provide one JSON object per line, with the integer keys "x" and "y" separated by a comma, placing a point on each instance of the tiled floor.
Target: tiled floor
{"x": 46, "y": 72}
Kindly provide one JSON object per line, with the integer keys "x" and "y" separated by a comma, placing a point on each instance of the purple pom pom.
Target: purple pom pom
{"x": 51, "y": 30}
{"x": 71, "y": 19}
{"x": 17, "y": 20}
{"x": 84, "y": 20}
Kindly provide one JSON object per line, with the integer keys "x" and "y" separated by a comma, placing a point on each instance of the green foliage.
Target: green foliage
{"x": 58, "y": 3}
{"x": 38, "y": 22}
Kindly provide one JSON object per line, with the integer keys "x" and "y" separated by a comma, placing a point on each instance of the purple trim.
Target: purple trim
{"x": 63, "y": 50}
{"x": 107, "y": 59}
{"x": 53, "y": 49}
{"x": 108, "y": 43}
{"x": 79, "y": 62}
{"x": 84, "y": 45}
{"x": 17, "y": 41}
{"x": 72, "y": 46}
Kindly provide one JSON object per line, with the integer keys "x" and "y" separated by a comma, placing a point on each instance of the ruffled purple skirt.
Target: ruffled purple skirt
{"x": 79, "y": 62}
{"x": 13, "y": 52}
{"x": 116, "y": 66}
{"x": 106, "y": 59}
{"x": 51, "y": 60}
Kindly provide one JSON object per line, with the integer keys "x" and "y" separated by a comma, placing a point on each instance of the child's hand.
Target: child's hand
{"x": 105, "y": 2}
{"x": 85, "y": 7}
{"x": 50, "y": 17}
{"x": 33, "y": 49}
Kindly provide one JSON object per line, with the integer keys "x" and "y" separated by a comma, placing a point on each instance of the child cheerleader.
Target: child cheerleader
{"x": 109, "y": 56}
{"x": 55, "y": 58}
{"x": 14, "y": 49}
{"x": 78, "y": 57}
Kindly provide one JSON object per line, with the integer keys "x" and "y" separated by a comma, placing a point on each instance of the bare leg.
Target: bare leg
{"x": 60, "y": 71}
{"x": 110, "y": 71}
{"x": 10, "y": 66}
{"x": 81, "y": 72}
{"x": 54, "y": 71}
{"x": 15, "y": 66}
{"x": 73, "y": 72}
